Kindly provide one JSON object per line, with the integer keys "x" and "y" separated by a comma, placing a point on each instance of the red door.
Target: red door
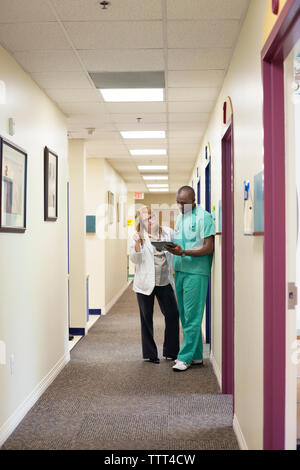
{"x": 227, "y": 264}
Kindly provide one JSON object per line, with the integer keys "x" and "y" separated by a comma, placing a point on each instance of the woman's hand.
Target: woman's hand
{"x": 138, "y": 241}
{"x": 177, "y": 250}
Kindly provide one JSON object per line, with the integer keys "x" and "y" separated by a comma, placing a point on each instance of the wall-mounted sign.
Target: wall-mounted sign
{"x": 130, "y": 222}
{"x": 275, "y": 6}
{"x": 227, "y": 110}
{"x": 138, "y": 195}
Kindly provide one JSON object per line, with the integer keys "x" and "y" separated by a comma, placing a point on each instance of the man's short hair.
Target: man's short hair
{"x": 187, "y": 189}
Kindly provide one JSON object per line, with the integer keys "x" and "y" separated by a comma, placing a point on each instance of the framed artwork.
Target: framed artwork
{"x": 50, "y": 185}
{"x": 111, "y": 207}
{"x": 13, "y": 175}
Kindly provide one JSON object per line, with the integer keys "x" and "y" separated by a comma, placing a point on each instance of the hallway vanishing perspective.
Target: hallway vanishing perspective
{"x": 152, "y": 142}
{"x": 107, "y": 397}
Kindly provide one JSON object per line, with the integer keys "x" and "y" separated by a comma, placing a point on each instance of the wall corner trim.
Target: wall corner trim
{"x": 239, "y": 434}
{"x": 14, "y": 420}
{"x": 216, "y": 369}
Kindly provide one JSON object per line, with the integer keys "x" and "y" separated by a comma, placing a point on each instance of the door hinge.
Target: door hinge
{"x": 292, "y": 296}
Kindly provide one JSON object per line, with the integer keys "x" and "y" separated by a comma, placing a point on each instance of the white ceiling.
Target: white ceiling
{"x": 59, "y": 41}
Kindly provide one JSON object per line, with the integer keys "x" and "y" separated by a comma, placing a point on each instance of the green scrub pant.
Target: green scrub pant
{"x": 191, "y": 291}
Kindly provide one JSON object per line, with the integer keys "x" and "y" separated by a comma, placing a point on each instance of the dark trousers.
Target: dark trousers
{"x": 168, "y": 306}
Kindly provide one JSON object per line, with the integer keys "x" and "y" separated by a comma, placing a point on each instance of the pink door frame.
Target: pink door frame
{"x": 227, "y": 262}
{"x": 278, "y": 46}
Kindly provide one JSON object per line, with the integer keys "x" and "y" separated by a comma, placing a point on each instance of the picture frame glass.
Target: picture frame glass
{"x": 13, "y": 187}
{"x": 52, "y": 185}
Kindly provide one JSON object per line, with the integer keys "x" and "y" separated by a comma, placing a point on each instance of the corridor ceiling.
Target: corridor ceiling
{"x": 60, "y": 42}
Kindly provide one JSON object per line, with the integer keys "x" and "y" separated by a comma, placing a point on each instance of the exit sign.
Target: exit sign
{"x": 138, "y": 195}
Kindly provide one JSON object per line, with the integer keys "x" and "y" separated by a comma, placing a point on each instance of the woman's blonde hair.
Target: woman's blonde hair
{"x": 140, "y": 227}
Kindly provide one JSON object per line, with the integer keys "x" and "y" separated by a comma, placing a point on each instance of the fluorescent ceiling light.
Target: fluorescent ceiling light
{"x": 152, "y": 167}
{"x": 148, "y": 152}
{"x": 164, "y": 190}
{"x": 132, "y": 94}
{"x": 156, "y": 178}
{"x": 157, "y": 185}
{"x": 143, "y": 134}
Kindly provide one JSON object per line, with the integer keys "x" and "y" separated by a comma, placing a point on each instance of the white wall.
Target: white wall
{"x": 33, "y": 266}
{"x": 77, "y": 177}
{"x": 106, "y": 250}
{"x": 244, "y": 85}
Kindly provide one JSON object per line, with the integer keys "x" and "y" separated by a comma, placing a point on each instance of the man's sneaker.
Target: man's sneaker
{"x": 170, "y": 358}
{"x": 197, "y": 362}
{"x": 180, "y": 366}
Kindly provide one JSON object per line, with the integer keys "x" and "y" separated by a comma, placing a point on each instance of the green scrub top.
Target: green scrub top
{"x": 190, "y": 230}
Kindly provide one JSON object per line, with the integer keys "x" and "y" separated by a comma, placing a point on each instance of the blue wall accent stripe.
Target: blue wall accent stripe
{"x": 95, "y": 311}
{"x": 77, "y": 331}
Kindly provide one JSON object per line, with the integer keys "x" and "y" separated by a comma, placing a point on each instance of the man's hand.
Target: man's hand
{"x": 177, "y": 250}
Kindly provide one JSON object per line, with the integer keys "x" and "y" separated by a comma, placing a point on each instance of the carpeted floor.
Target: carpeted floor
{"x": 108, "y": 398}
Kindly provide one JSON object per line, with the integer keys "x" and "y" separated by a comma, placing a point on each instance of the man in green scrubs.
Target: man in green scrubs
{"x": 194, "y": 239}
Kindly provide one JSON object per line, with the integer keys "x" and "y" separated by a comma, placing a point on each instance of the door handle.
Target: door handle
{"x": 292, "y": 296}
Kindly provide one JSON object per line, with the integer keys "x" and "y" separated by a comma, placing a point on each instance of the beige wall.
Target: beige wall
{"x": 106, "y": 250}
{"x": 95, "y": 243}
{"x": 243, "y": 84}
{"x": 33, "y": 267}
{"x": 77, "y": 177}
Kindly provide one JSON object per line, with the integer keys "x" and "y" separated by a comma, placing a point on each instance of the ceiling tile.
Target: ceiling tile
{"x": 199, "y": 59}
{"x": 209, "y": 33}
{"x": 140, "y": 126}
{"x": 48, "y": 61}
{"x": 146, "y": 144}
{"x": 191, "y": 106}
{"x": 193, "y": 94}
{"x": 195, "y": 79}
{"x": 116, "y": 35}
{"x": 33, "y": 36}
{"x": 74, "y": 95}
{"x": 203, "y": 9}
{"x": 67, "y": 80}
{"x": 186, "y": 117}
{"x": 139, "y": 187}
{"x": 177, "y": 137}
{"x": 85, "y": 121}
{"x": 179, "y": 148}
{"x": 189, "y": 126}
{"x": 90, "y": 10}
{"x": 131, "y": 118}
{"x": 137, "y": 108}
{"x": 82, "y": 108}
{"x": 114, "y": 60}
{"x": 14, "y": 11}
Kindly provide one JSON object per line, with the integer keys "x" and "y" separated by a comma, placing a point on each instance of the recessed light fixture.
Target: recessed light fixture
{"x": 143, "y": 134}
{"x": 156, "y": 178}
{"x": 132, "y": 94}
{"x": 162, "y": 190}
{"x": 148, "y": 152}
{"x": 157, "y": 185}
{"x": 152, "y": 167}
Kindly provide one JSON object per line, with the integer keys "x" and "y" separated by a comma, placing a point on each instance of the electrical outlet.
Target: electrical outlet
{"x": 12, "y": 364}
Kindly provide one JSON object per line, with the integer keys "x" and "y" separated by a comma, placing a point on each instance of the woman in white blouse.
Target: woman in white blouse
{"x": 154, "y": 278}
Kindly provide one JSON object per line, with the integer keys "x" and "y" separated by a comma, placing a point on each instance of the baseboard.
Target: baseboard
{"x": 14, "y": 420}
{"x": 115, "y": 298}
{"x": 216, "y": 369}
{"x": 239, "y": 434}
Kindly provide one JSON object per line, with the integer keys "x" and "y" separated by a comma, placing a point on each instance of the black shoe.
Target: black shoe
{"x": 155, "y": 360}
{"x": 170, "y": 358}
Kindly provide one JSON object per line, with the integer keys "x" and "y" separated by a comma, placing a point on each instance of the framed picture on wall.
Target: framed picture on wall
{"x": 50, "y": 185}
{"x": 13, "y": 175}
{"x": 111, "y": 207}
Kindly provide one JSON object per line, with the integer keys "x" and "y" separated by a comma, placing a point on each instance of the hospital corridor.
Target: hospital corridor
{"x": 149, "y": 227}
